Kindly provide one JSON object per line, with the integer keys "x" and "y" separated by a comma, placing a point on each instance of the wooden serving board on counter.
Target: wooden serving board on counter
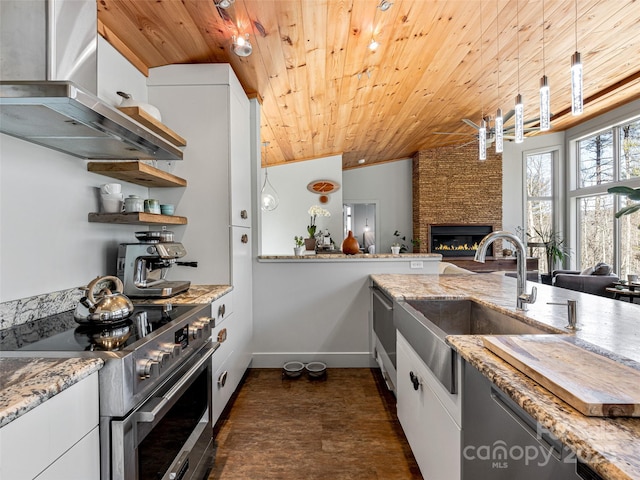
{"x": 594, "y": 385}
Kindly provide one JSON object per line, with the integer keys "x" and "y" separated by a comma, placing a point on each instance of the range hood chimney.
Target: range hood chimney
{"x": 48, "y": 63}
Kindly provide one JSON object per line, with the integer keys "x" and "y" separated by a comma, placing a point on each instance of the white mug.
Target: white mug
{"x": 111, "y": 188}
{"x": 632, "y": 278}
{"x": 111, "y": 202}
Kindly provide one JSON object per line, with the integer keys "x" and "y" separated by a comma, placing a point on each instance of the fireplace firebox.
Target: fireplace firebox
{"x": 458, "y": 240}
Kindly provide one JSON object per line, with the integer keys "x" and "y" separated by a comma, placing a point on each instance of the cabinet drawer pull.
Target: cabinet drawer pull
{"x": 222, "y": 310}
{"x": 243, "y": 214}
{"x": 222, "y": 379}
{"x": 244, "y": 238}
{"x": 414, "y": 380}
{"x": 222, "y": 335}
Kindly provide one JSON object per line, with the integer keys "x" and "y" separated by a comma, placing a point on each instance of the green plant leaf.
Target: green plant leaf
{"x": 628, "y": 210}
{"x": 622, "y": 190}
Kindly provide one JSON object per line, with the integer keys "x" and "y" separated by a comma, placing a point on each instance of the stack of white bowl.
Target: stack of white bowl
{"x": 112, "y": 198}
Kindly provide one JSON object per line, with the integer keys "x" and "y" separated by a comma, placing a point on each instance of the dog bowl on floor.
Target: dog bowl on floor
{"x": 316, "y": 369}
{"x": 293, "y": 369}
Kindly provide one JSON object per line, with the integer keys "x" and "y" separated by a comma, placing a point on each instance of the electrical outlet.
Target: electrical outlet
{"x": 416, "y": 264}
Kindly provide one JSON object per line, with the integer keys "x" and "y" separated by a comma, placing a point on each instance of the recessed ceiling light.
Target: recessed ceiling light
{"x": 385, "y": 5}
{"x": 373, "y": 45}
{"x": 361, "y": 161}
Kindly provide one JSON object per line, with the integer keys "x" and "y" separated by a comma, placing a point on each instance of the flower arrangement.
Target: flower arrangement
{"x": 314, "y": 212}
{"x": 299, "y": 241}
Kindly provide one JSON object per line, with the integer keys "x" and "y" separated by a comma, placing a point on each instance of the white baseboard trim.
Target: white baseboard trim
{"x": 332, "y": 359}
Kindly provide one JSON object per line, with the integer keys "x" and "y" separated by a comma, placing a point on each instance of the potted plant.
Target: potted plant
{"x": 299, "y": 247}
{"x": 555, "y": 249}
{"x": 632, "y": 194}
{"x": 314, "y": 211}
{"x": 398, "y": 247}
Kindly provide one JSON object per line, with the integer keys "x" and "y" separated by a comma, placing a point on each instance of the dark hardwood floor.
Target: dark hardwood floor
{"x": 340, "y": 427}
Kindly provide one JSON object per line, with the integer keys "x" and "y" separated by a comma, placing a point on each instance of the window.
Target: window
{"x": 604, "y": 159}
{"x": 540, "y": 206}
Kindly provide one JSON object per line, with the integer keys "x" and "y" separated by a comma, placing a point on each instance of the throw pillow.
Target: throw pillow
{"x": 602, "y": 269}
{"x": 587, "y": 271}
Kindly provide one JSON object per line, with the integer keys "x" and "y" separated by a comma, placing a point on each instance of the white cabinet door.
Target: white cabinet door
{"x": 240, "y": 157}
{"x": 432, "y": 433}
{"x": 34, "y": 441}
{"x": 82, "y": 462}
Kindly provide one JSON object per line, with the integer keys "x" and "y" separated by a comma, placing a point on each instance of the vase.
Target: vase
{"x": 298, "y": 250}
{"x": 310, "y": 244}
{"x": 395, "y": 250}
{"x": 350, "y": 245}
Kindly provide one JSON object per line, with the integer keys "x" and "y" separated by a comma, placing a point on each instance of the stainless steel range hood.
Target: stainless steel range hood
{"x": 62, "y": 116}
{"x": 48, "y": 68}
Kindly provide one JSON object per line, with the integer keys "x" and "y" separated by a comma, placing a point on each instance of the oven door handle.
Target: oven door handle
{"x": 160, "y": 403}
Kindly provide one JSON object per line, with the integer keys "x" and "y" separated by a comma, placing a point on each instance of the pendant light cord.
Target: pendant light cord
{"x": 518, "y": 38}
{"x": 498, "y": 44}
{"x": 544, "y": 67}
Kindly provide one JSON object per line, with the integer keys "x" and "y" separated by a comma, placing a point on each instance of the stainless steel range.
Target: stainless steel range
{"x": 155, "y": 386}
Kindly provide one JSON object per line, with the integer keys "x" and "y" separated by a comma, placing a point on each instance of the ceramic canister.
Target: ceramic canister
{"x": 133, "y": 203}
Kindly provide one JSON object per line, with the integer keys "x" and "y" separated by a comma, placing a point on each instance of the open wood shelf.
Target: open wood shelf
{"x": 138, "y": 218}
{"x": 141, "y": 116}
{"x": 138, "y": 173}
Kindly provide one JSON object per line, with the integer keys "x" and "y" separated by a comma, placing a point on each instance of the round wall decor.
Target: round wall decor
{"x": 323, "y": 187}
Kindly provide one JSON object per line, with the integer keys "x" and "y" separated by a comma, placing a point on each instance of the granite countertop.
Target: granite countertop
{"x": 25, "y": 383}
{"x": 611, "y": 446}
{"x": 359, "y": 256}
{"x": 196, "y": 294}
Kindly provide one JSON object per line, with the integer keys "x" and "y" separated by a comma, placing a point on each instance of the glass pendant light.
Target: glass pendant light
{"x": 498, "y": 125}
{"x": 576, "y": 75}
{"x": 519, "y": 108}
{"x": 545, "y": 94}
{"x": 499, "y": 122}
{"x": 268, "y": 196}
{"x": 482, "y": 140}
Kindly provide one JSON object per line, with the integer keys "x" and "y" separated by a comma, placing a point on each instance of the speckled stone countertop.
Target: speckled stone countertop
{"x": 611, "y": 446}
{"x": 25, "y": 383}
{"x": 358, "y": 257}
{"x": 196, "y": 294}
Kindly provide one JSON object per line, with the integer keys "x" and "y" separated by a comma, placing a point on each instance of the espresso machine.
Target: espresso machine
{"x": 143, "y": 266}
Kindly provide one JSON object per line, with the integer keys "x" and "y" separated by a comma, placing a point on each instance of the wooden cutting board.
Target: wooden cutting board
{"x": 592, "y": 384}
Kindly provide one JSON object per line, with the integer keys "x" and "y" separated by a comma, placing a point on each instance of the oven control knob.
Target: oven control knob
{"x": 196, "y": 330}
{"x": 173, "y": 349}
{"x": 162, "y": 357}
{"x": 148, "y": 368}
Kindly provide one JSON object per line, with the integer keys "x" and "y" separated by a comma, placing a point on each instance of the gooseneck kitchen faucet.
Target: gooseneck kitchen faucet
{"x": 522, "y": 297}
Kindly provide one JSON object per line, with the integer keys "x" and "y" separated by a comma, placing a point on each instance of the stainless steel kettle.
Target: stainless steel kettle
{"x": 107, "y": 306}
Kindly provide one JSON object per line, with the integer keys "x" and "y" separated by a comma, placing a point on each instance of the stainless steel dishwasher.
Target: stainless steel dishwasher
{"x": 500, "y": 441}
{"x": 384, "y": 333}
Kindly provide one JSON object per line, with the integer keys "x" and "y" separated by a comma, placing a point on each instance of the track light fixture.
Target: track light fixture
{"x": 224, "y": 4}
{"x": 241, "y": 45}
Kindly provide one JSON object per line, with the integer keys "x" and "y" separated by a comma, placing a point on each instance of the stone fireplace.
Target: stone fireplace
{"x": 457, "y": 240}
{"x": 451, "y": 187}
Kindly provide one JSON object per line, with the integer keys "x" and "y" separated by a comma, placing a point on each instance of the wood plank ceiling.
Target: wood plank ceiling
{"x": 324, "y": 92}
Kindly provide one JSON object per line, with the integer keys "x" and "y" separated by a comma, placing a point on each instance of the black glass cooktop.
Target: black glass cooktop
{"x": 61, "y": 333}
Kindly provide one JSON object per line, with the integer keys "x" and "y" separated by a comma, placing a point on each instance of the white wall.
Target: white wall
{"x": 390, "y": 185}
{"x": 291, "y": 217}
{"x": 46, "y": 242}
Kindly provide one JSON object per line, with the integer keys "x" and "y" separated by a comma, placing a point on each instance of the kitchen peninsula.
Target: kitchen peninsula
{"x": 316, "y": 307}
{"x": 609, "y": 446}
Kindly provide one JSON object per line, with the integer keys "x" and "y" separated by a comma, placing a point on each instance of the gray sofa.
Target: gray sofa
{"x": 594, "y": 280}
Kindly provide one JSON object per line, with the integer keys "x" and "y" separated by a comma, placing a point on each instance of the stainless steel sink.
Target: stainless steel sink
{"x": 426, "y": 323}
{"x": 464, "y": 317}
